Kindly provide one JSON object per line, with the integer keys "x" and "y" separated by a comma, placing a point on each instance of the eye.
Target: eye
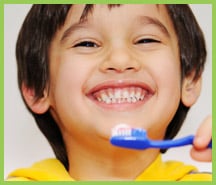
{"x": 86, "y": 44}
{"x": 147, "y": 41}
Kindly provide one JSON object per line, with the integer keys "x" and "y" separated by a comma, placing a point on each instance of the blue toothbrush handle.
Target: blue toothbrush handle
{"x": 139, "y": 140}
{"x": 175, "y": 143}
{"x": 210, "y": 144}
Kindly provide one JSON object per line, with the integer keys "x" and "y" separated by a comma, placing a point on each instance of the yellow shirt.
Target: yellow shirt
{"x": 53, "y": 170}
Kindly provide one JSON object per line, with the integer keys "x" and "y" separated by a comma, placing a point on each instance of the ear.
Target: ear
{"x": 38, "y": 106}
{"x": 191, "y": 90}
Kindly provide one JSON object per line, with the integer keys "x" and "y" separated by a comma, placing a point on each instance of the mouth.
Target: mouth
{"x": 120, "y": 94}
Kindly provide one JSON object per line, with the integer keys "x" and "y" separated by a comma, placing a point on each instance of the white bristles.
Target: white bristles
{"x": 121, "y": 130}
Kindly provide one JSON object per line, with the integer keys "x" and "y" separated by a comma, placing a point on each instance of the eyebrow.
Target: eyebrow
{"x": 73, "y": 27}
{"x": 146, "y": 20}
{"x": 83, "y": 19}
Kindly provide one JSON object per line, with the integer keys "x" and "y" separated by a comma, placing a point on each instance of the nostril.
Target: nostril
{"x": 119, "y": 69}
{"x": 130, "y": 68}
{"x": 120, "y": 65}
{"x": 111, "y": 69}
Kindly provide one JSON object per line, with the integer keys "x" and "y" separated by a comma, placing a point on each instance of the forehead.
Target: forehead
{"x": 115, "y": 15}
{"x": 79, "y": 13}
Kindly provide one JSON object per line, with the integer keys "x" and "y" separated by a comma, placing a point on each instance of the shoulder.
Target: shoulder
{"x": 185, "y": 172}
{"x": 172, "y": 171}
{"x": 45, "y": 170}
{"x": 197, "y": 176}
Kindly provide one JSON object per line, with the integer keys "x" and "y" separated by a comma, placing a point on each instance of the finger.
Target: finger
{"x": 201, "y": 155}
{"x": 204, "y": 134}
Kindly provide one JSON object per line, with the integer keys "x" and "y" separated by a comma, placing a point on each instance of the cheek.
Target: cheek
{"x": 169, "y": 85}
{"x": 67, "y": 101}
{"x": 167, "y": 71}
{"x": 167, "y": 75}
{"x": 66, "y": 87}
{"x": 66, "y": 80}
{"x": 68, "y": 74}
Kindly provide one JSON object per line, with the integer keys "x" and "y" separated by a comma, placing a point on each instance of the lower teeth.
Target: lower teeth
{"x": 125, "y": 100}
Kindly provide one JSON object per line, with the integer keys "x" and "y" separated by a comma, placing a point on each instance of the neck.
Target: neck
{"x": 107, "y": 162}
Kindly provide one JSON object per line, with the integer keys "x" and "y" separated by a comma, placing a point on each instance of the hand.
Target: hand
{"x": 200, "y": 152}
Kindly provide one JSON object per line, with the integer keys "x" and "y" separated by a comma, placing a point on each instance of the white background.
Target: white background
{"x": 23, "y": 142}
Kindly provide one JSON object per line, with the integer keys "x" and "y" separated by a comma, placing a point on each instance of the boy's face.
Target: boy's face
{"x": 119, "y": 65}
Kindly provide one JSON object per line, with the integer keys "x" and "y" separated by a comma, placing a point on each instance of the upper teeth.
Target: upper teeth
{"x": 120, "y": 95}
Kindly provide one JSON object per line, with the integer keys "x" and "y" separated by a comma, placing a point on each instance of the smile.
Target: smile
{"x": 120, "y": 94}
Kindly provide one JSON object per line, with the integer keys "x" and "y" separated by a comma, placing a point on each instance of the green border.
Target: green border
{"x": 2, "y": 2}
{"x": 106, "y": 1}
{"x": 1, "y": 92}
{"x": 213, "y": 86}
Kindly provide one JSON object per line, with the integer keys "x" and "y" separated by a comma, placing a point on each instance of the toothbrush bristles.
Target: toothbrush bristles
{"x": 122, "y": 130}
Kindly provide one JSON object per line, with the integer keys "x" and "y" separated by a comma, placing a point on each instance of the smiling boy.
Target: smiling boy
{"x": 102, "y": 65}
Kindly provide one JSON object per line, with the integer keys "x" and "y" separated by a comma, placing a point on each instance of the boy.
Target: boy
{"x": 85, "y": 68}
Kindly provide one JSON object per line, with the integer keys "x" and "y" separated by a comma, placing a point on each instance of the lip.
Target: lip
{"x": 120, "y": 84}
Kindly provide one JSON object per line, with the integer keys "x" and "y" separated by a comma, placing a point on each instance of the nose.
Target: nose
{"x": 120, "y": 60}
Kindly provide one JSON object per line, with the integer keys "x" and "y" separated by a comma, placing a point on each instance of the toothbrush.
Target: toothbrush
{"x": 136, "y": 138}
